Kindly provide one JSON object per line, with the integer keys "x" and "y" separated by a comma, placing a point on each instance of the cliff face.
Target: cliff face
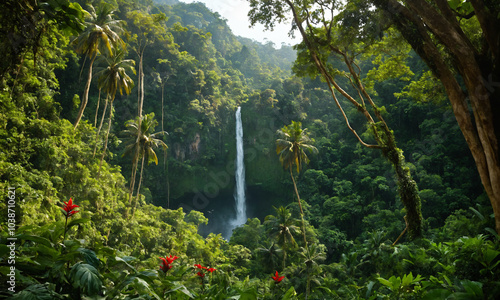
{"x": 208, "y": 185}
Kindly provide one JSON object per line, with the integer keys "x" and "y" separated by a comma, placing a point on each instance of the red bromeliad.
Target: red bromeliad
{"x": 200, "y": 267}
{"x": 68, "y": 208}
{"x": 277, "y": 278}
{"x": 201, "y": 273}
{"x": 170, "y": 259}
{"x": 166, "y": 263}
{"x": 68, "y": 211}
{"x": 165, "y": 267}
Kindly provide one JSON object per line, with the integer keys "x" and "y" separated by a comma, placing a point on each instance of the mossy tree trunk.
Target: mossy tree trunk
{"x": 320, "y": 48}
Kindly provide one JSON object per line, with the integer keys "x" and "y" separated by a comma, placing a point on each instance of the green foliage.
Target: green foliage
{"x": 37, "y": 292}
{"x": 290, "y": 147}
{"x": 86, "y": 279}
{"x": 351, "y": 213}
{"x": 389, "y": 55}
{"x": 402, "y": 288}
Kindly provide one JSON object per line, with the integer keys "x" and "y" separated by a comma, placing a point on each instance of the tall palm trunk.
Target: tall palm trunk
{"x": 100, "y": 124}
{"x": 97, "y": 108}
{"x": 300, "y": 207}
{"x": 106, "y": 140}
{"x": 162, "y": 104}
{"x": 134, "y": 173}
{"x": 85, "y": 93}
{"x": 165, "y": 168}
{"x": 141, "y": 84}
{"x": 308, "y": 284}
{"x": 284, "y": 256}
{"x": 138, "y": 188}
{"x": 140, "y": 101}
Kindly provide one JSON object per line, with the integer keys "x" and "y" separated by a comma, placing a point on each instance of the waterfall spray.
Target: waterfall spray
{"x": 239, "y": 193}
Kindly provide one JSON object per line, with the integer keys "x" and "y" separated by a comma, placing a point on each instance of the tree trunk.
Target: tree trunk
{"x": 408, "y": 191}
{"x": 284, "y": 256}
{"x": 162, "y": 112}
{"x": 141, "y": 83}
{"x": 480, "y": 73}
{"x": 100, "y": 124}
{"x": 97, "y": 108}
{"x": 132, "y": 176}
{"x": 308, "y": 284}
{"x": 138, "y": 188}
{"x": 83, "y": 104}
{"x": 407, "y": 187}
{"x": 140, "y": 98}
{"x": 106, "y": 140}
{"x": 165, "y": 168}
{"x": 300, "y": 207}
{"x": 103, "y": 114}
{"x": 484, "y": 139}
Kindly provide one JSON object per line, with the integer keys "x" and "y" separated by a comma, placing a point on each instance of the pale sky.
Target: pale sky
{"x": 235, "y": 11}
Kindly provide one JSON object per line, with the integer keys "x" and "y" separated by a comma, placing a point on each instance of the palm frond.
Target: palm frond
{"x": 291, "y": 144}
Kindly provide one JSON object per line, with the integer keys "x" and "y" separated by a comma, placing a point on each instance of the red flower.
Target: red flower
{"x": 201, "y": 274}
{"x": 277, "y": 278}
{"x": 68, "y": 208}
{"x": 165, "y": 267}
{"x": 166, "y": 263}
{"x": 200, "y": 267}
{"x": 211, "y": 270}
{"x": 171, "y": 259}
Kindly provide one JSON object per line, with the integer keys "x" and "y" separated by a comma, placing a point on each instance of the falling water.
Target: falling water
{"x": 239, "y": 193}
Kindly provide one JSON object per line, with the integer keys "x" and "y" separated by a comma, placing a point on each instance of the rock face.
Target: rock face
{"x": 203, "y": 178}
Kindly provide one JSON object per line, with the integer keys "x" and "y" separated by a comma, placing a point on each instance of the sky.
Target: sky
{"x": 235, "y": 11}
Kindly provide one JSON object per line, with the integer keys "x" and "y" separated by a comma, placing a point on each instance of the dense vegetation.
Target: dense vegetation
{"x": 117, "y": 147}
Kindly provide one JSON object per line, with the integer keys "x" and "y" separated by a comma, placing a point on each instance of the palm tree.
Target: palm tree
{"x": 269, "y": 256}
{"x": 290, "y": 148}
{"x": 282, "y": 227}
{"x": 141, "y": 143}
{"x": 112, "y": 79}
{"x": 311, "y": 255}
{"x": 100, "y": 35}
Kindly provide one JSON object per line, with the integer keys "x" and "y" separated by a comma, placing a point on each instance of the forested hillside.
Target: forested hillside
{"x": 118, "y": 146}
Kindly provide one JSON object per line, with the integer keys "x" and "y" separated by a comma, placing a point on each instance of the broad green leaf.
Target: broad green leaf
{"x": 89, "y": 257}
{"x": 48, "y": 251}
{"x": 181, "y": 288}
{"x": 385, "y": 282}
{"x": 407, "y": 279}
{"x": 77, "y": 221}
{"x": 125, "y": 260}
{"x": 490, "y": 255}
{"x": 86, "y": 277}
{"x": 454, "y": 3}
{"x": 369, "y": 288}
{"x": 473, "y": 288}
{"x": 36, "y": 239}
{"x": 248, "y": 294}
{"x": 436, "y": 294}
{"x": 289, "y": 294}
{"x": 142, "y": 287}
{"x": 463, "y": 296}
{"x": 395, "y": 281}
{"x": 36, "y": 292}
{"x": 477, "y": 213}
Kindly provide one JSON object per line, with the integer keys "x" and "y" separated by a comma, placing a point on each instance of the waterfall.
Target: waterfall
{"x": 239, "y": 193}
